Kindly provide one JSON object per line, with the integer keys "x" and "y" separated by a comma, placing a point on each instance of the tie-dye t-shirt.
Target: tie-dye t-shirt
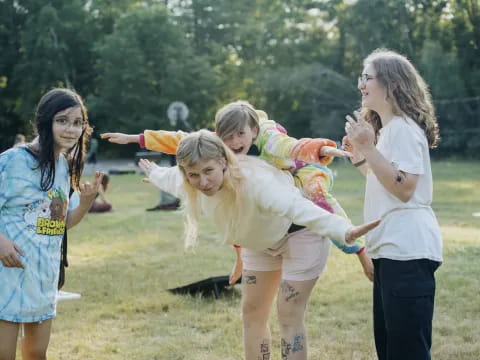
{"x": 35, "y": 221}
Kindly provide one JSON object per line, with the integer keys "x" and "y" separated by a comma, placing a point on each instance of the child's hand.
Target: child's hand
{"x": 119, "y": 138}
{"x": 8, "y": 253}
{"x": 88, "y": 192}
{"x": 367, "y": 265}
{"x": 347, "y": 144}
{"x": 236, "y": 272}
{"x": 334, "y": 152}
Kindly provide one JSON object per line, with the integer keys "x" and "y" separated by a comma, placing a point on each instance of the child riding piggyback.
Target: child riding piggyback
{"x": 246, "y": 130}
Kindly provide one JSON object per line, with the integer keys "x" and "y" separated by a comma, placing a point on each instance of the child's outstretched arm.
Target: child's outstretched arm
{"x": 155, "y": 140}
{"x": 274, "y": 143}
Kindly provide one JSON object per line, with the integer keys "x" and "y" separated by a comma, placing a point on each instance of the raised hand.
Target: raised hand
{"x": 360, "y": 133}
{"x": 147, "y": 166}
{"x": 120, "y": 138}
{"x": 356, "y": 231}
{"x": 9, "y": 252}
{"x": 88, "y": 192}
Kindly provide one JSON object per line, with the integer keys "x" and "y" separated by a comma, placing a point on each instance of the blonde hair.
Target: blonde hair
{"x": 234, "y": 117}
{"x": 201, "y": 146}
{"x": 405, "y": 90}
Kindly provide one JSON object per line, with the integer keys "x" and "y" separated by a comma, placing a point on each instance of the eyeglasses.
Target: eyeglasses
{"x": 76, "y": 124}
{"x": 362, "y": 79}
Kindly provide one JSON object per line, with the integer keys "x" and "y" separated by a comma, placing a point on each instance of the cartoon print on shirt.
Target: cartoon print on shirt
{"x": 47, "y": 216}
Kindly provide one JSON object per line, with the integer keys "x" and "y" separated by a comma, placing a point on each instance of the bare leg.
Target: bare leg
{"x": 291, "y": 304}
{"x": 258, "y": 291}
{"x": 36, "y": 339}
{"x": 8, "y": 339}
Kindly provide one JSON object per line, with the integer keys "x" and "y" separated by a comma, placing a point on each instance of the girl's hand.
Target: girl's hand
{"x": 367, "y": 265}
{"x": 147, "y": 166}
{"x": 348, "y": 146}
{"x": 88, "y": 192}
{"x": 334, "y": 152}
{"x": 236, "y": 272}
{"x": 120, "y": 138}
{"x": 8, "y": 253}
{"x": 360, "y": 133}
{"x": 355, "y": 232}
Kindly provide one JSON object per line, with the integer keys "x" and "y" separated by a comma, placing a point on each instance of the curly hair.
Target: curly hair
{"x": 405, "y": 90}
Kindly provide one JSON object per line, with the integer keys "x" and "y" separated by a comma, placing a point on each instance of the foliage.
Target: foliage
{"x": 143, "y": 65}
{"x": 297, "y": 59}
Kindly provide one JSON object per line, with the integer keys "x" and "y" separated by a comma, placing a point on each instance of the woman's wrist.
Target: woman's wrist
{"x": 358, "y": 163}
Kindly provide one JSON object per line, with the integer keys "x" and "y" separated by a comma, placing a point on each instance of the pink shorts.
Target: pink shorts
{"x": 302, "y": 255}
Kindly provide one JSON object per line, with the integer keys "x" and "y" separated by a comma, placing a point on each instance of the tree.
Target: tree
{"x": 145, "y": 64}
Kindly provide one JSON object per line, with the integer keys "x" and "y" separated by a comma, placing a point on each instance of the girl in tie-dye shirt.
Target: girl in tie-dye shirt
{"x": 35, "y": 210}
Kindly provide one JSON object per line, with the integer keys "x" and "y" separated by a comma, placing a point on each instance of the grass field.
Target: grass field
{"x": 123, "y": 262}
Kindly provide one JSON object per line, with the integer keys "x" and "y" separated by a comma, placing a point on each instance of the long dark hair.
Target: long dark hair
{"x": 50, "y": 104}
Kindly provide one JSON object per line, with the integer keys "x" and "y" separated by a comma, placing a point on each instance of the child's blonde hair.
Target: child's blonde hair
{"x": 234, "y": 117}
{"x": 405, "y": 90}
{"x": 203, "y": 146}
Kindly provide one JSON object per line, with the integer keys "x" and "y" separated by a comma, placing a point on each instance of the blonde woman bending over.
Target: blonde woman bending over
{"x": 258, "y": 207}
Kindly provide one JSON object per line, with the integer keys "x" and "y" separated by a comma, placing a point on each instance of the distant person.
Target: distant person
{"x": 19, "y": 140}
{"x": 92, "y": 151}
{"x": 101, "y": 203}
{"x": 167, "y": 200}
{"x": 35, "y": 210}
{"x": 390, "y": 140}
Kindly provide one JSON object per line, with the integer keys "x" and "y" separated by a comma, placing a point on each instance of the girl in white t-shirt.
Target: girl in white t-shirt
{"x": 390, "y": 140}
{"x": 254, "y": 205}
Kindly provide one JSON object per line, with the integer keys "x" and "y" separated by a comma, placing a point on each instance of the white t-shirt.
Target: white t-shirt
{"x": 408, "y": 230}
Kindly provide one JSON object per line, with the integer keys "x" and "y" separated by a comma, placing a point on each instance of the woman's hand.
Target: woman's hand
{"x": 355, "y": 232}
{"x": 9, "y": 252}
{"x": 120, "y": 138}
{"x": 147, "y": 166}
{"x": 359, "y": 132}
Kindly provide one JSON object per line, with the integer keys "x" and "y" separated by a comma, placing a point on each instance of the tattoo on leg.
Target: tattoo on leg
{"x": 251, "y": 279}
{"x": 297, "y": 343}
{"x": 264, "y": 350}
{"x": 286, "y": 347}
{"x": 288, "y": 291}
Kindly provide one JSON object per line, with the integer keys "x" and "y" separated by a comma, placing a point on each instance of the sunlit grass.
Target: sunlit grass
{"x": 123, "y": 262}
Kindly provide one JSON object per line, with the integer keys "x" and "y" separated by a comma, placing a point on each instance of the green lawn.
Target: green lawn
{"x": 123, "y": 262}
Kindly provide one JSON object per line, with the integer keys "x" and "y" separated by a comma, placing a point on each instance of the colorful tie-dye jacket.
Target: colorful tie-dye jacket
{"x": 300, "y": 157}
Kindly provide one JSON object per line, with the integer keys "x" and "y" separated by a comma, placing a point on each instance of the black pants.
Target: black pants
{"x": 403, "y": 302}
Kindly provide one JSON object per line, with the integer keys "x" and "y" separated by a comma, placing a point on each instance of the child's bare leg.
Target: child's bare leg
{"x": 36, "y": 339}
{"x": 291, "y": 303}
{"x": 258, "y": 290}
{"x": 8, "y": 339}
